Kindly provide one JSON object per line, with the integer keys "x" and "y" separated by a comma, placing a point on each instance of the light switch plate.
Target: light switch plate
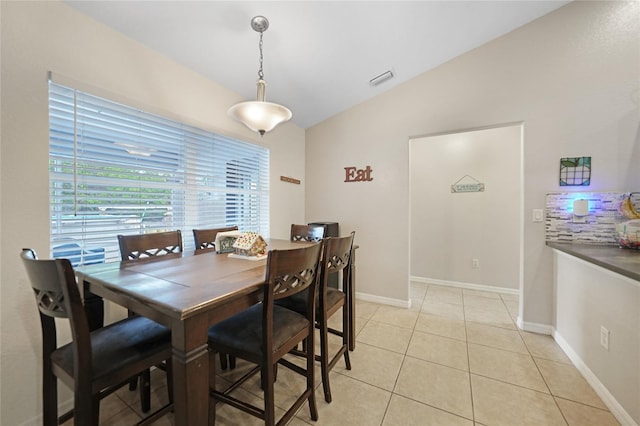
{"x": 538, "y": 215}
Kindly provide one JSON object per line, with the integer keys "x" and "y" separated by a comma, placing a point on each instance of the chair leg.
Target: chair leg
{"x": 324, "y": 358}
{"x": 311, "y": 378}
{"x": 275, "y": 376}
{"x": 346, "y": 335}
{"x": 269, "y": 398}
{"x": 49, "y": 400}
{"x": 169, "y": 372}
{"x": 223, "y": 361}
{"x": 212, "y": 411}
{"x": 86, "y": 410}
{"x": 212, "y": 374}
{"x": 145, "y": 390}
{"x": 95, "y": 408}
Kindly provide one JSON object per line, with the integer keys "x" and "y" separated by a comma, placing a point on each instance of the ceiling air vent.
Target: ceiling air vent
{"x": 379, "y": 79}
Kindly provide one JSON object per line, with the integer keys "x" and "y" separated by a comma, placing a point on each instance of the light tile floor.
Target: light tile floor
{"x": 455, "y": 357}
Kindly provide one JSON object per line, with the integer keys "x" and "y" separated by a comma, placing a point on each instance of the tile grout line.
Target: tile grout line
{"x": 404, "y": 357}
{"x": 545, "y": 383}
{"x": 466, "y": 339}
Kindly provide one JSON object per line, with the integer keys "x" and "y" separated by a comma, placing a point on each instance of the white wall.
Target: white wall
{"x": 448, "y": 229}
{"x": 568, "y": 76}
{"x": 38, "y": 37}
{"x": 588, "y": 297}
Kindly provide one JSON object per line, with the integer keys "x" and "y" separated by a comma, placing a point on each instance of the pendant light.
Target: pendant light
{"x": 259, "y": 115}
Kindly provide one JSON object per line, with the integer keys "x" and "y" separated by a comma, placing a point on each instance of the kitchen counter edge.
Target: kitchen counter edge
{"x": 623, "y": 261}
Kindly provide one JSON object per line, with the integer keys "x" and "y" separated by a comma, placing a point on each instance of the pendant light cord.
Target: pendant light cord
{"x": 260, "y": 72}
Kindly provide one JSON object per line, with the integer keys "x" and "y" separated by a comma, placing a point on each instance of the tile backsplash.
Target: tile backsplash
{"x": 599, "y": 225}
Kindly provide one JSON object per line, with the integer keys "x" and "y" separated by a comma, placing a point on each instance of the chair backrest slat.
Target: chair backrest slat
{"x": 57, "y": 295}
{"x": 206, "y": 238}
{"x": 337, "y": 253}
{"x": 134, "y": 247}
{"x": 292, "y": 271}
{"x": 336, "y": 257}
{"x": 312, "y": 233}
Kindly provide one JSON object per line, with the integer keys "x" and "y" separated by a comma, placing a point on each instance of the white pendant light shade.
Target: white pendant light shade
{"x": 260, "y": 116}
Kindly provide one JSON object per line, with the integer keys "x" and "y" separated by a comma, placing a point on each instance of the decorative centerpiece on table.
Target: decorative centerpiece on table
{"x": 225, "y": 241}
{"x": 250, "y": 245}
{"x": 628, "y": 222}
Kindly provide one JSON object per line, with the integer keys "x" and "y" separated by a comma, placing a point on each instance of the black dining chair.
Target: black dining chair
{"x": 141, "y": 247}
{"x": 206, "y": 239}
{"x": 95, "y": 363}
{"x": 264, "y": 333}
{"x": 336, "y": 258}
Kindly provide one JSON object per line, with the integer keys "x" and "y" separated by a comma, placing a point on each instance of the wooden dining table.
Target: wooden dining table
{"x": 187, "y": 292}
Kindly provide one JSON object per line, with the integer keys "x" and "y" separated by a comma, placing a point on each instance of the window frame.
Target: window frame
{"x": 103, "y": 153}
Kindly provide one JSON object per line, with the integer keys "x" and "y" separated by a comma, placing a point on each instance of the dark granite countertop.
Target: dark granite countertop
{"x": 623, "y": 261}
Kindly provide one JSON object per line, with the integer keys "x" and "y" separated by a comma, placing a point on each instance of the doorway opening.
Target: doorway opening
{"x": 466, "y": 209}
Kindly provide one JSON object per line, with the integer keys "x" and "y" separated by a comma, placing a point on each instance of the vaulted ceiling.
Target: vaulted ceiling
{"x": 319, "y": 56}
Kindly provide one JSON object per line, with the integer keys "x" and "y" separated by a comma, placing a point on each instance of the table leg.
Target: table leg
{"x": 93, "y": 308}
{"x": 352, "y": 300}
{"x": 190, "y": 372}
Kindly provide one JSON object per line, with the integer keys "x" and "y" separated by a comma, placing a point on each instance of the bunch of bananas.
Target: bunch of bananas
{"x": 627, "y": 209}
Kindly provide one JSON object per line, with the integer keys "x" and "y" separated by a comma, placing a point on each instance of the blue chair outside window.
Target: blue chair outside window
{"x": 77, "y": 255}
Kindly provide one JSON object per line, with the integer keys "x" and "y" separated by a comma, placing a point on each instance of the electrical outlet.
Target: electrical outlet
{"x": 475, "y": 263}
{"x": 604, "y": 337}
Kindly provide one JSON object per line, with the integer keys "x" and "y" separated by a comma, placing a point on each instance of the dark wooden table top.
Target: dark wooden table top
{"x": 180, "y": 285}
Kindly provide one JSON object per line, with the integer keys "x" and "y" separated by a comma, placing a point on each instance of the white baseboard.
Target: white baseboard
{"x": 609, "y": 400}
{"x": 469, "y": 286}
{"x": 63, "y": 407}
{"x": 534, "y": 327}
{"x": 384, "y": 300}
{"x": 522, "y": 325}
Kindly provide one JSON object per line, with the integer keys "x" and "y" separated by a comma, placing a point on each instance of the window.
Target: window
{"x": 118, "y": 170}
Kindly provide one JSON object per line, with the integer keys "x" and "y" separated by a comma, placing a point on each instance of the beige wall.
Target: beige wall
{"x": 588, "y": 297}
{"x": 38, "y": 37}
{"x": 449, "y": 230}
{"x": 569, "y": 76}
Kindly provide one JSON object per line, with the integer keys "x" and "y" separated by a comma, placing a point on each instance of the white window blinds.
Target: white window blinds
{"x": 118, "y": 170}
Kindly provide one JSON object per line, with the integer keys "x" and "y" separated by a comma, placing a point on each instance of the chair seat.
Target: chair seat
{"x": 298, "y": 303}
{"x": 118, "y": 345}
{"x": 242, "y": 333}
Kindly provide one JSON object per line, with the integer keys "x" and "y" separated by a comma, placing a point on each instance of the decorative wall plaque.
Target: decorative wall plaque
{"x": 353, "y": 174}
{"x": 575, "y": 171}
{"x": 290, "y": 180}
{"x": 467, "y": 184}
